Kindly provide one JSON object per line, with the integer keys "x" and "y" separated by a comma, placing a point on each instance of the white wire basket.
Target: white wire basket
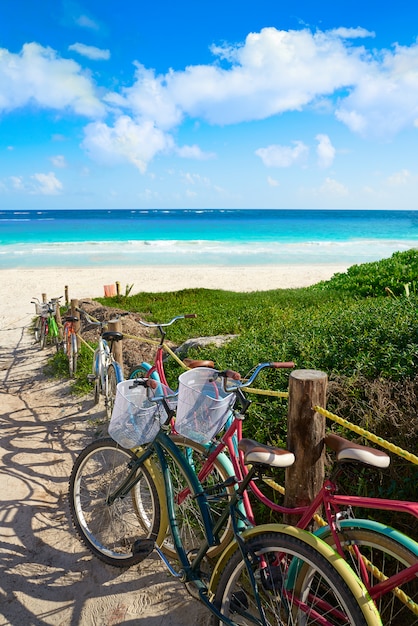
{"x": 203, "y": 405}
{"x": 43, "y": 308}
{"x": 136, "y": 419}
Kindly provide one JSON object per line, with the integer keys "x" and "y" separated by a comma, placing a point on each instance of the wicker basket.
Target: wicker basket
{"x": 135, "y": 418}
{"x": 203, "y": 405}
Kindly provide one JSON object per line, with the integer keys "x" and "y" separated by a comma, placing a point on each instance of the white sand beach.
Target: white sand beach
{"x": 19, "y": 286}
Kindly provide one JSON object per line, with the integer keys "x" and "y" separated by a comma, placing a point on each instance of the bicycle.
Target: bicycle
{"x": 271, "y": 574}
{"x": 106, "y": 371}
{"x": 46, "y": 325}
{"x": 70, "y": 342}
{"x": 156, "y": 369}
{"x": 385, "y": 559}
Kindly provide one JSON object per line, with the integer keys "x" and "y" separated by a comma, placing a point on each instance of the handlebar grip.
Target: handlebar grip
{"x": 190, "y": 315}
{"x": 283, "y": 364}
{"x": 232, "y": 374}
{"x": 151, "y": 383}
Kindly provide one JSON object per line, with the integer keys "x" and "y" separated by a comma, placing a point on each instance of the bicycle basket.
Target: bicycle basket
{"x": 42, "y": 309}
{"x": 135, "y": 418}
{"x": 203, "y": 405}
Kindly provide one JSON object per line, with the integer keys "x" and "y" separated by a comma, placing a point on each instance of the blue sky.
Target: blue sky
{"x": 233, "y": 104}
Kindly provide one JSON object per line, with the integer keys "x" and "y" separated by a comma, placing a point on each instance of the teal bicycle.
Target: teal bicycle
{"x": 268, "y": 574}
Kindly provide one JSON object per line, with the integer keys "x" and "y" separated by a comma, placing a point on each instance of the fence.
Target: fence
{"x": 307, "y": 416}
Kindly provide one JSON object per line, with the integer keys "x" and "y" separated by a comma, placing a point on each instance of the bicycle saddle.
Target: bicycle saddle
{"x": 258, "y": 453}
{"x": 112, "y": 335}
{"x": 348, "y": 450}
{"x": 192, "y": 363}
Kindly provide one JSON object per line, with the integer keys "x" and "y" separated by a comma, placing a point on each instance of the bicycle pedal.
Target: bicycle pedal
{"x": 144, "y": 547}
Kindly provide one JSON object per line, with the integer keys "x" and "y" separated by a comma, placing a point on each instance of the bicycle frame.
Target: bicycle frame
{"x": 189, "y": 571}
{"x": 326, "y": 497}
{"x": 102, "y": 359}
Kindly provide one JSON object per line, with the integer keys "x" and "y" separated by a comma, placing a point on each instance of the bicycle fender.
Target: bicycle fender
{"x": 355, "y": 584}
{"x": 156, "y": 476}
{"x": 324, "y": 532}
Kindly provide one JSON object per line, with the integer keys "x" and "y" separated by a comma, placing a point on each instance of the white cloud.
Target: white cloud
{"x": 149, "y": 98}
{"x": 272, "y": 182}
{"x": 399, "y": 178}
{"x": 283, "y": 156}
{"x": 351, "y": 33}
{"x": 384, "y": 98}
{"x": 325, "y": 151}
{"x": 58, "y": 161}
{"x": 17, "y": 182}
{"x": 126, "y": 141}
{"x": 194, "y": 152}
{"x": 86, "y": 22}
{"x": 37, "y": 75}
{"x": 46, "y": 184}
{"x": 333, "y": 187}
{"x": 91, "y": 52}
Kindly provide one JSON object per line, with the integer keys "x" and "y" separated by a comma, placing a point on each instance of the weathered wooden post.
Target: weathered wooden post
{"x": 66, "y": 295}
{"x": 305, "y": 438}
{"x": 44, "y": 298}
{"x": 77, "y": 324}
{"x": 117, "y": 288}
{"x": 117, "y": 345}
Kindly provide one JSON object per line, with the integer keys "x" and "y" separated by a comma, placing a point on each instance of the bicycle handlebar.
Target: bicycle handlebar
{"x": 178, "y": 317}
{"x": 229, "y": 375}
{"x": 103, "y": 323}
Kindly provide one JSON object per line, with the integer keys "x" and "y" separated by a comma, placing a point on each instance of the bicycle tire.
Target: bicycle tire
{"x": 142, "y": 371}
{"x": 43, "y": 332}
{"x": 111, "y": 532}
{"x": 72, "y": 355}
{"x": 111, "y": 381}
{"x": 37, "y": 330}
{"x": 54, "y": 333}
{"x": 291, "y": 595}
{"x": 189, "y": 521}
{"x": 390, "y": 552}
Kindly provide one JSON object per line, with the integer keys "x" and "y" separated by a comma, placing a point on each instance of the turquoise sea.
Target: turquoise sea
{"x": 84, "y": 238}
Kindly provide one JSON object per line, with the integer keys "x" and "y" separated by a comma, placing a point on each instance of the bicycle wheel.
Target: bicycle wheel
{"x": 295, "y": 583}
{"x": 386, "y": 553}
{"x": 54, "y": 333}
{"x": 37, "y": 329}
{"x": 111, "y": 382}
{"x": 43, "y": 332}
{"x": 111, "y": 531}
{"x": 188, "y": 515}
{"x": 72, "y": 354}
{"x": 140, "y": 371}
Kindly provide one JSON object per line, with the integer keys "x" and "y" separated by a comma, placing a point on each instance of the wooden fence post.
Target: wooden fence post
{"x": 66, "y": 295}
{"x": 44, "y": 298}
{"x": 77, "y": 325}
{"x": 305, "y": 438}
{"x": 117, "y": 288}
{"x": 117, "y": 345}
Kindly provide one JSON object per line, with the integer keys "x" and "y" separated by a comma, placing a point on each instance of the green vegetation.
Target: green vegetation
{"x": 360, "y": 327}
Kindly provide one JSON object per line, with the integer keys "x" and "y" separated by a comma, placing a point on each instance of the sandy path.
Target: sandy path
{"x": 46, "y": 575}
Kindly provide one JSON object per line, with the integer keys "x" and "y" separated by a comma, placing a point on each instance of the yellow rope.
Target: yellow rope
{"x": 368, "y": 435}
{"x": 266, "y": 392}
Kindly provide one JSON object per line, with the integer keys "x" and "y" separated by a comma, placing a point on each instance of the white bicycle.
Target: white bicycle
{"x": 106, "y": 371}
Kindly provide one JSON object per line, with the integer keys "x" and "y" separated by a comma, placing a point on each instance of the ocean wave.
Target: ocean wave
{"x": 198, "y": 252}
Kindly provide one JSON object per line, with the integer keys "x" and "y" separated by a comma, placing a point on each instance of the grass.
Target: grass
{"x": 360, "y": 327}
